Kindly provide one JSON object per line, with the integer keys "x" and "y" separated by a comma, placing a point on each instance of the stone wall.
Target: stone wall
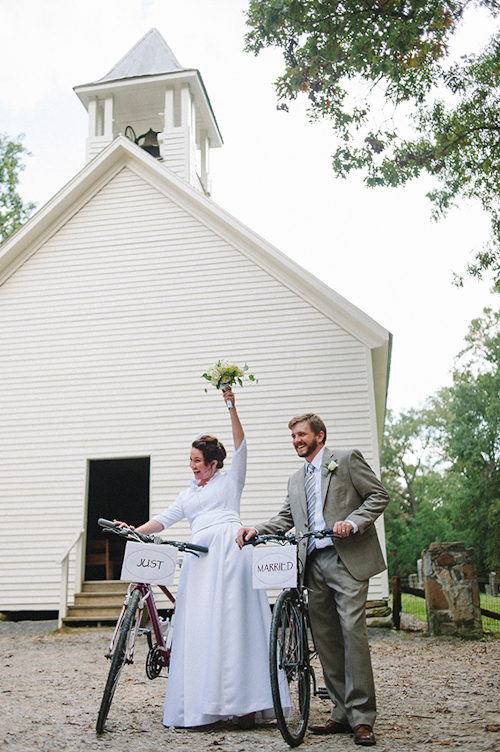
{"x": 451, "y": 590}
{"x": 378, "y": 614}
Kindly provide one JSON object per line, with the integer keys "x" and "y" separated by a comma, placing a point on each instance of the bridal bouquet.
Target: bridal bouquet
{"x": 223, "y": 374}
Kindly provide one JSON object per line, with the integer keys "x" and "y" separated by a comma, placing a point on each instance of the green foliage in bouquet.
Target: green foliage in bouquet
{"x": 223, "y": 374}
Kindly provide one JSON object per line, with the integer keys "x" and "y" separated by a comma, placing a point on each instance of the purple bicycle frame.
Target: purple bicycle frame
{"x": 147, "y": 599}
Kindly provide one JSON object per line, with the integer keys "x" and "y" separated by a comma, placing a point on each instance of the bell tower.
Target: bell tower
{"x": 161, "y": 106}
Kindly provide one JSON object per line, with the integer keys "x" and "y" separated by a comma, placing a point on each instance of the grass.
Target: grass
{"x": 412, "y": 604}
{"x": 492, "y": 604}
{"x": 416, "y": 607}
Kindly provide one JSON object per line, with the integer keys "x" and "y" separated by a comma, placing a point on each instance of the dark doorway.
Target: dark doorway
{"x": 118, "y": 489}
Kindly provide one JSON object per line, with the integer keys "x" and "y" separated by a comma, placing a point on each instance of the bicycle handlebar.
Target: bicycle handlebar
{"x": 123, "y": 531}
{"x": 187, "y": 546}
{"x": 127, "y": 532}
{"x": 281, "y": 537}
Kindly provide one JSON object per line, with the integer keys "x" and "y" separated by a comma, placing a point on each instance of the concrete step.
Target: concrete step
{"x": 99, "y": 602}
{"x": 88, "y": 600}
{"x": 104, "y": 586}
{"x": 96, "y": 612}
{"x": 89, "y": 620}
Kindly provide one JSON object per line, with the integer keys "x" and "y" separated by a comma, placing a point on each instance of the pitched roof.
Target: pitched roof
{"x": 150, "y": 56}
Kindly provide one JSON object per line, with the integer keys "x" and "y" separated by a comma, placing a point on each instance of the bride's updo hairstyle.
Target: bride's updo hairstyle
{"x": 211, "y": 449}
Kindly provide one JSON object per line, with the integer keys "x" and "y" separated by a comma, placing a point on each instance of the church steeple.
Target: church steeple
{"x": 146, "y": 90}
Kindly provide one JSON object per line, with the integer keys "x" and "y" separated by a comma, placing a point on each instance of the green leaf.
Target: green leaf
{"x": 355, "y": 62}
{"x": 13, "y": 211}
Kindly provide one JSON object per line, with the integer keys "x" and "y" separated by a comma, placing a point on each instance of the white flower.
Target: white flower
{"x": 223, "y": 373}
{"x": 331, "y": 467}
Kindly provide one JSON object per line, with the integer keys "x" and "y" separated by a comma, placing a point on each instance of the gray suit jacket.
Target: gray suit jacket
{"x": 351, "y": 491}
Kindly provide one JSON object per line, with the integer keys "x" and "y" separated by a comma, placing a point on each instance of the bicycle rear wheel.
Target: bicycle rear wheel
{"x": 289, "y": 664}
{"x": 117, "y": 661}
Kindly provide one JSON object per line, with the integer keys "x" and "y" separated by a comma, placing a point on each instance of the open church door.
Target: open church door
{"x": 117, "y": 489}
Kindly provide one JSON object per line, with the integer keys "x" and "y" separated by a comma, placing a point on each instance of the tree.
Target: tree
{"x": 13, "y": 211}
{"x": 420, "y": 493}
{"x": 473, "y": 439}
{"x": 405, "y": 455}
{"x": 441, "y": 463}
{"x": 347, "y": 57}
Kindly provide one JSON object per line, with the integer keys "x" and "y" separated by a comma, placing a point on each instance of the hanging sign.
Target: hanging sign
{"x": 275, "y": 567}
{"x": 150, "y": 563}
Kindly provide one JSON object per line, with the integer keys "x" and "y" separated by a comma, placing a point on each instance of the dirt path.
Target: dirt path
{"x": 431, "y": 693}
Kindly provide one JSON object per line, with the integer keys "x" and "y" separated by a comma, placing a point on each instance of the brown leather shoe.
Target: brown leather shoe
{"x": 364, "y": 735}
{"x": 331, "y": 727}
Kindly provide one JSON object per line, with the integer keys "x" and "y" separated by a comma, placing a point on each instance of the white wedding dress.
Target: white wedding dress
{"x": 219, "y": 665}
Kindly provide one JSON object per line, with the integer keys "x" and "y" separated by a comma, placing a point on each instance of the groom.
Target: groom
{"x": 335, "y": 489}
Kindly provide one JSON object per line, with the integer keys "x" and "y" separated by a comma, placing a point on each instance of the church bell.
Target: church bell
{"x": 148, "y": 141}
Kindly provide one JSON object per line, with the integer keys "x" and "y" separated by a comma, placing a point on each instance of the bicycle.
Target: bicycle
{"x": 122, "y": 645}
{"x": 290, "y": 655}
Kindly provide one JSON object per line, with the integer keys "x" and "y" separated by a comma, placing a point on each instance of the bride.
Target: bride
{"x": 219, "y": 618}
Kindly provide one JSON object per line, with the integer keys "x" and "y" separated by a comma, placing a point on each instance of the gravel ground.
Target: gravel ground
{"x": 431, "y": 693}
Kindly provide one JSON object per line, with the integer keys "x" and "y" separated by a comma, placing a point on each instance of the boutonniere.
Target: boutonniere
{"x": 331, "y": 467}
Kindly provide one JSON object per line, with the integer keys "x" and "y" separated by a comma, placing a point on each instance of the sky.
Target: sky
{"x": 376, "y": 247}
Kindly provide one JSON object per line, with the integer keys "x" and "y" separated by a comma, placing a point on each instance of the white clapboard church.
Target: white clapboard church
{"x": 114, "y": 300}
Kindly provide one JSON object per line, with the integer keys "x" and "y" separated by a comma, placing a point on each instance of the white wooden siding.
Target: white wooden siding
{"x": 173, "y": 151}
{"x": 105, "y": 333}
{"x": 179, "y": 154}
{"x": 96, "y": 144}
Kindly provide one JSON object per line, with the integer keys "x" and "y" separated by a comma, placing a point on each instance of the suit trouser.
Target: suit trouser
{"x": 337, "y": 608}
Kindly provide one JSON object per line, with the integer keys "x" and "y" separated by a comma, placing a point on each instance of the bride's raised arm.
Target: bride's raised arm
{"x": 238, "y": 433}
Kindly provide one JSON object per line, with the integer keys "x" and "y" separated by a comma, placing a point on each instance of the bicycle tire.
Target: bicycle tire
{"x": 117, "y": 661}
{"x": 289, "y": 666}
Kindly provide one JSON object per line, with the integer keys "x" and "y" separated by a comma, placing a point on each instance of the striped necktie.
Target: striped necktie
{"x": 310, "y": 487}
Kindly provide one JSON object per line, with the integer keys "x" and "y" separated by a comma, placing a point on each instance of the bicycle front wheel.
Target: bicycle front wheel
{"x": 117, "y": 661}
{"x": 289, "y": 664}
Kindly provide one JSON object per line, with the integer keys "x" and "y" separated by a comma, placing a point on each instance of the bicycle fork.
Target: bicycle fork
{"x": 129, "y": 652}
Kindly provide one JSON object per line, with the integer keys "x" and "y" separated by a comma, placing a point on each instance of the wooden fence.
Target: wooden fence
{"x": 398, "y": 587}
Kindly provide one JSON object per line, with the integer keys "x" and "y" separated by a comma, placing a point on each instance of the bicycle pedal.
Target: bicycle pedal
{"x": 323, "y": 693}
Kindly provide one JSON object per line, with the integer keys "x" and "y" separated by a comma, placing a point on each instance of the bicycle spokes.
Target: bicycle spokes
{"x": 290, "y": 677}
